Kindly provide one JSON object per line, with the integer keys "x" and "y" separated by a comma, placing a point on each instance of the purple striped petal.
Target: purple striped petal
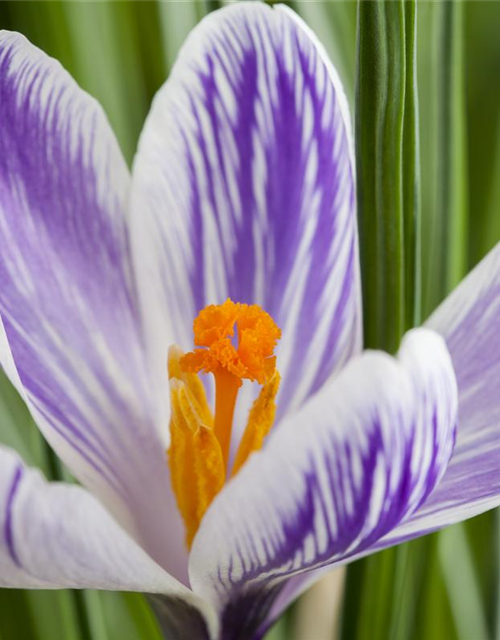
{"x": 54, "y": 535}
{"x": 469, "y": 320}
{"x": 355, "y": 461}
{"x": 243, "y": 186}
{"x": 71, "y": 338}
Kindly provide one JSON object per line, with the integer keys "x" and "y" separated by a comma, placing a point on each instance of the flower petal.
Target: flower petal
{"x": 71, "y": 339}
{"x": 55, "y": 535}
{"x": 469, "y": 320}
{"x": 355, "y": 461}
{"x": 243, "y": 186}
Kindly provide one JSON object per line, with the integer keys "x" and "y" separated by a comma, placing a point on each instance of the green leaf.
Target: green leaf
{"x": 176, "y": 20}
{"x": 366, "y": 611}
{"x": 458, "y": 572}
{"x": 39, "y": 615}
{"x": 17, "y": 620}
{"x": 482, "y": 60}
{"x": 17, "y": 429}
{"x": 434, "y": 620}
{"x": 43, "y": 23}
{"x": 411, "y": 174}
{"x": 445, "y": 213}
{"x": 92, "y": 614}
{"x": 379, "y": 122}
{"x": 128, "y": 615}
{"x": 107, "y": 64}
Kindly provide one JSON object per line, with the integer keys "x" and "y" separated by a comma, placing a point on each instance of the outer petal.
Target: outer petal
{"x": 469, "y": 320}
{"x": 243, "y": 187}
{"x": 54, "y": 535}
{"x": 71, "y": 339}
{"x": 355, "y": 461}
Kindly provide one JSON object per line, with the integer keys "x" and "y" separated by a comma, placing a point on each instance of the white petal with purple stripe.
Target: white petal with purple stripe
{"x": 71, "y": 339}
{"x": 469, "y": 320}
{"x": 243, "y": 186}
{"x": 354, "y": 462}
{"x": 54, "y": 535}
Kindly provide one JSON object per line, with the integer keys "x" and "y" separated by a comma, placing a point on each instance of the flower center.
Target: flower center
{"x": 234, "y": 342}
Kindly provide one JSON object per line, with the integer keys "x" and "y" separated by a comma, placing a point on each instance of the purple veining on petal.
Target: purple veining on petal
{"x": 244, "y": 187}
{"x": 47, "y": 192}
{"x": 57, "y": 535}
{"x": 284, "y": 195}
{"x": 468, "y": 320}
{"x": 359, "y": 458}
{"x": 244, "y": 614}
{"x": 92, "y": 455}
{"x": 8, "y": 533}
{"x": 349, "y": 526}
{"x": 68, "y": 299}
{"x": 295, "y": 530}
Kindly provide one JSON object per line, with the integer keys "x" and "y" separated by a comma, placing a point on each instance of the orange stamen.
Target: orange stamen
{"x": 195, "y": 458}
{"x": 200, "y": 443}
{"x": 259, "y": 424}
{"x": 210, "y": 469}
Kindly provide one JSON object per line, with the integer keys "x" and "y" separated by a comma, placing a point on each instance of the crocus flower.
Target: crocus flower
{"x": 240, "y": 212}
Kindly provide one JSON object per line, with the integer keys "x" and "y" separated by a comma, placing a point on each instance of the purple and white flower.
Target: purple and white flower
{"x": 243, "y": 186}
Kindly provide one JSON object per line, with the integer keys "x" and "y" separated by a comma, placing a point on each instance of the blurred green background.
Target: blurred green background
{"x": 444, "y": 586}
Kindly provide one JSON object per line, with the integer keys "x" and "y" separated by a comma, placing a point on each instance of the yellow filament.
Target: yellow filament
{"x": 259, "y": 424}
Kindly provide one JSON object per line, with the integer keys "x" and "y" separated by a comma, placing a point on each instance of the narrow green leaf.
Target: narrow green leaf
{"x": 491, "y": 221}
{"x": 459, "y": 572}
{"x": 411, "y": 174}
{"x": 452, "y": 186}
{"x": 107, "y": 64}
{"x": 94, "y": 615}
{"x": 445, "y": 220}
{"x": 434, "y": 620}
{"x": 147, "y": 25}
{"x": 39, "y": 615}
{"x": 482, "y": 61}
{"x": 387, "y": 153}
{"x": 176, "y": 21}
{"x": 481, "y": 534}
{"x": 43, "y": 23}
{"x": 382, "y": 594}
{"x": 408, "y": 583}
{"x": 16, "y": 426}
{"x": 128, "y": 615}
{"x": 380, "y": 105}
{"x": 57, "y": 615}
{"x": 368, "y": 597}
{"x": 16, "y": 620}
